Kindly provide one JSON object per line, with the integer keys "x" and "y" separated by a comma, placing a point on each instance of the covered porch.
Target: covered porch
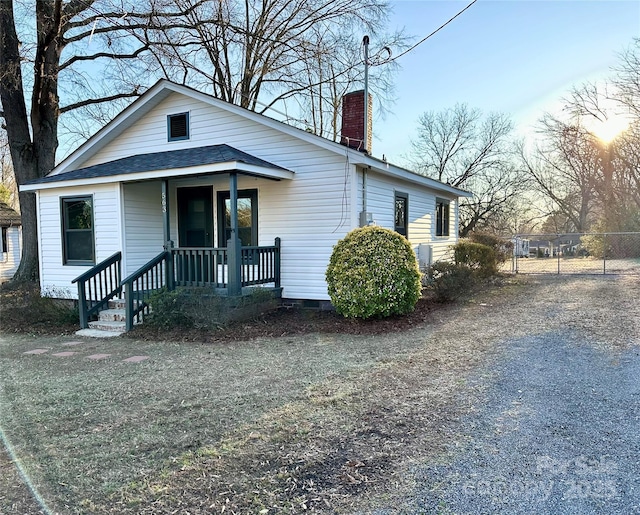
{"x": 187, "y": 255}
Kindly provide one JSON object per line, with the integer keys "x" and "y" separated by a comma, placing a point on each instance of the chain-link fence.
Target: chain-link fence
{"x": 577, "y": 253}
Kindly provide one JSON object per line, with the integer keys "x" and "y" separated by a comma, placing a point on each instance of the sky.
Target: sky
{"x": 518, "y": 57}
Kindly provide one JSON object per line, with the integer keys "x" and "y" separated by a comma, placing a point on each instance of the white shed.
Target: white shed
{"x": 11, "y": 242}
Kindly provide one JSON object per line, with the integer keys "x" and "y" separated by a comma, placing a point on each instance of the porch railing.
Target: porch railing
{"x": 261, "y": 265}
{"x": 177, "y": 267}
{"x": 194, "y": 266}
{"x": 96, "y": 287}
{"x": 144, "y": 282}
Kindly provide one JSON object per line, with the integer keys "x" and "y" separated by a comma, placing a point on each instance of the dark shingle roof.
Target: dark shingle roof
{"x": 184, "y": 158}
{"x": 8, "y": 216}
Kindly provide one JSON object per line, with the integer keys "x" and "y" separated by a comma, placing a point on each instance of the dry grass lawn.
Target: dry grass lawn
{"x": 319, "y": 422}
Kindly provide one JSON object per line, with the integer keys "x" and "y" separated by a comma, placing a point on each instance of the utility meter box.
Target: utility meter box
{"x": 366, "y": 218}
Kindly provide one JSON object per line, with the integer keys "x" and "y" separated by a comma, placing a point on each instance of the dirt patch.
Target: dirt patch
{"x": 24, "y": 310}
{"x": 295, "y": 322}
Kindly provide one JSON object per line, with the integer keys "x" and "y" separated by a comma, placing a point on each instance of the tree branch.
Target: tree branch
{"x": 92, "y": 101}
{"x": 99, "y": 55}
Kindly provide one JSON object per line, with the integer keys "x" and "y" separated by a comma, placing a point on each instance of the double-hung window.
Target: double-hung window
{"x": 247, "y": 217}
{"x": 442, "y": 217}
{"x": 77, "y": 230}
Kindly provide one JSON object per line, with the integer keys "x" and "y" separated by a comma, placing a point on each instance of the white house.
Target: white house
{"x": 231, "y": 197}
{"x": 11, "y": 242}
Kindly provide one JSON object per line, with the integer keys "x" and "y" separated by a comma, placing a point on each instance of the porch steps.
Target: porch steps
{"x": 111, "y": 322}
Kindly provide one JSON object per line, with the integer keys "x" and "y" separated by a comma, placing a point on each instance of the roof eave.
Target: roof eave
{"x": 408, "y": 175}
{"x": 276, "y": 174}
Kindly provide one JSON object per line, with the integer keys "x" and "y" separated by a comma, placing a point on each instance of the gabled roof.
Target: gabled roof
{"x": 163, "y": 88}
{"x": 168, "y": 160}
{"x": 8, "y": 216}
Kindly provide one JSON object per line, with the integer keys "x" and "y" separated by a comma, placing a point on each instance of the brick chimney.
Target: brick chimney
{"x": 353, "y": 121}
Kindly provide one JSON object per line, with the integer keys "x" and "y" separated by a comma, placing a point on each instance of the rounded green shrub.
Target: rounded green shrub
{"x": 482, "y": 260}
{"x": 373, "y": 272}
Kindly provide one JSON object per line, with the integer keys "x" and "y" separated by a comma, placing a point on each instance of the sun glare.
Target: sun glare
{"x": 608, "y": 129}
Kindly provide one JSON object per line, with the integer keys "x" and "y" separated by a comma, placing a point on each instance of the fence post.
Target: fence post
{"x": 82, "y": 306}
{"x": 128, "y": 305}
{"x": 604, "y": 254}
{"x": 277, "y": 263}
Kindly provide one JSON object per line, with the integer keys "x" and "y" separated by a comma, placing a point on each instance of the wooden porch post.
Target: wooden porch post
{"x": 168, "y": 244}
{"x": 166, "y": 222}
{"x": 234, "y": 259}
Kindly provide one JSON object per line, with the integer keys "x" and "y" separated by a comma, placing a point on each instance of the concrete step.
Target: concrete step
{"x": 98, "y": 333}
{"x": 112, "y": 315}
{"x": 105, "y": 325}
{"x": 121, "y": 304}
{"x": 117, "y": 304}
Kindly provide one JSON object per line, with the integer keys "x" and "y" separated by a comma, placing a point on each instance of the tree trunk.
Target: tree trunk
{"x": 32, "y": 158}
{"x": 28, "y": 268}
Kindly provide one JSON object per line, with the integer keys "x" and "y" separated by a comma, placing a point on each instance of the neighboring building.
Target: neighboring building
{"x": 11, "y": 243}
{"x": 166, "y": 171}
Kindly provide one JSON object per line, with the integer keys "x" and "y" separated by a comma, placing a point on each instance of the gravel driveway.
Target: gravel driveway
{"x": 557, "y": 429}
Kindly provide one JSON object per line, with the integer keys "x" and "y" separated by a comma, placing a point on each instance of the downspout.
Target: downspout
{"x": 364, "y": 190}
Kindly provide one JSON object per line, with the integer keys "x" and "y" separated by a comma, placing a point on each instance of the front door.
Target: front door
{"x": 195, "y": 216}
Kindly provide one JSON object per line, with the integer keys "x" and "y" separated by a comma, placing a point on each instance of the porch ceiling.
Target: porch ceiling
{"x": 212, "y": 159}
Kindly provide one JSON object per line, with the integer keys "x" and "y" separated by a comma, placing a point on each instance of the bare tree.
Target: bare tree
{"x": 63, "y": 33}
{"x": 564, "y": 165}
{"x": 298, "y": 55}
{"x": 611, "y": 162}
{"x": 239, "y": 50}
{"x": 468, "y": 150}
{"x": 626, "y": 79}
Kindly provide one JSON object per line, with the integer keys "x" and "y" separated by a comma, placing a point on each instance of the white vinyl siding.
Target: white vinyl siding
{"x": 308, "y": 215}
{"x": 421, "y": 219}
{"x": 10, "y": 256}
{"x": 310, "y": 212}
{"x": 143, "y": 233}
{"x": 209, "y": 125}
{"x": 55, "y": 276}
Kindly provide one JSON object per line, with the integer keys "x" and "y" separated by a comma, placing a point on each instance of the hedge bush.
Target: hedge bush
{"x": 201, "y": 309}
{"x": 449, "y": 281}
{"x": 482, "y": 260}
{"x": 503, "y": 248}
{"x": 373, "y": 272}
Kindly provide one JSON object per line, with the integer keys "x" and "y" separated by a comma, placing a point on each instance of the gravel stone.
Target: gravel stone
{"x": 557, "y": 430}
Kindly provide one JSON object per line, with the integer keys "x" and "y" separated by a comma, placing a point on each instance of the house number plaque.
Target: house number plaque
{"x": 164, "y": 202}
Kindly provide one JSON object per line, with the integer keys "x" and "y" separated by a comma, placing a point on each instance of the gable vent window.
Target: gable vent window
{"x": 178, "y": 126}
